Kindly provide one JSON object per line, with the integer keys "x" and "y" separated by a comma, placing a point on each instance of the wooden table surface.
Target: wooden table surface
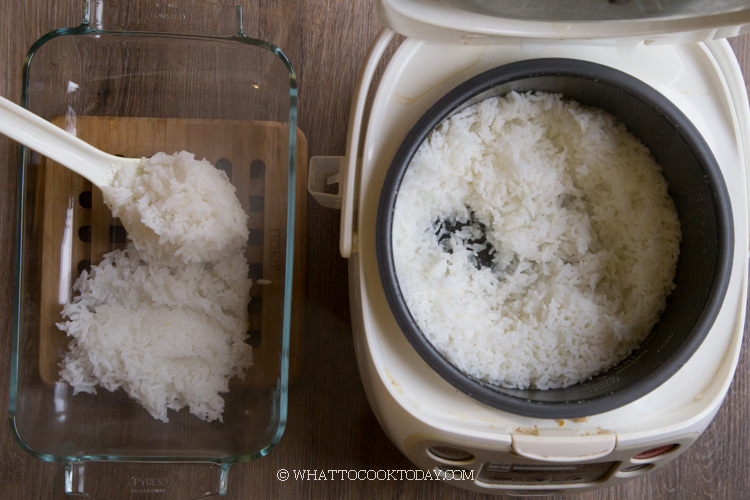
{"x": 330, "y": 423}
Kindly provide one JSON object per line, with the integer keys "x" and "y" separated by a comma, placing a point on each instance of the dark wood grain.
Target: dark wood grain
{"x": 330, "y": 424}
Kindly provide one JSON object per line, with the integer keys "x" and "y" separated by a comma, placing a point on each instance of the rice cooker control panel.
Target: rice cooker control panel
{"x": 481, "y": 467}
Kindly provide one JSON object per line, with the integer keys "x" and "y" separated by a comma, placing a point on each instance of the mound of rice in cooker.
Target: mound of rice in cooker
{"x": 166, "y": 318}
{"x": 534, "y": 241}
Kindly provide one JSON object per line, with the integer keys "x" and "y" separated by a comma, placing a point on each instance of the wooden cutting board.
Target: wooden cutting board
{"x": 78, "y": 228}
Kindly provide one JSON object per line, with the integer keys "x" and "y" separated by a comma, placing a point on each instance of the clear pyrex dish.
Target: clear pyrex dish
{"x": 135, "y": 78}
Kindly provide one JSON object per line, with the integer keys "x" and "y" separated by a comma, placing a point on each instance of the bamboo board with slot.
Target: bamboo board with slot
{"x": 78, "y": 228}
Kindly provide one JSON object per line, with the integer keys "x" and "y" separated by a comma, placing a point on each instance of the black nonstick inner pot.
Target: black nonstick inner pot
{"x": 703, "y": 206}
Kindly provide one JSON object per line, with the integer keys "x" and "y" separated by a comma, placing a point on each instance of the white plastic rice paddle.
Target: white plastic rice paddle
{"x": 193, "y": 217}
{"x": 35, "y": 132}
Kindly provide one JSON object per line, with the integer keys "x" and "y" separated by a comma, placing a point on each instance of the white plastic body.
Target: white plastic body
{"x": 414, "y": 405}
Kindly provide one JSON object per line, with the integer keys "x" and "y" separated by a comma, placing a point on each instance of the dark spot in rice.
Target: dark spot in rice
{"x": 574, "y": 203}
{"x": 567, "y": 200}
{"x": 445, "y": 227}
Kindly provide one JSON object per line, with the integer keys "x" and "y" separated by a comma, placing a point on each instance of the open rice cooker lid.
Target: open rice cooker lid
{"x": 484, "y": 21}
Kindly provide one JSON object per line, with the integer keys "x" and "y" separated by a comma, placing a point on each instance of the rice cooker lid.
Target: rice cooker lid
{"x": 487, "y": 21}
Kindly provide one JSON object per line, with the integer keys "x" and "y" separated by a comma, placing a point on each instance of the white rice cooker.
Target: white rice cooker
{"x": 674, "y": 47}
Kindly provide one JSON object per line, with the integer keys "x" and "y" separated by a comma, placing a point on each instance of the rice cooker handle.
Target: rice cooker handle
{"x": 361, "y": 90}
{"x": 325, "y": 171}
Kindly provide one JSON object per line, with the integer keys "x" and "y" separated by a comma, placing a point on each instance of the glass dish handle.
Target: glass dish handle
{"x": 147, "y": 480}
{"x": 193, "y": 17}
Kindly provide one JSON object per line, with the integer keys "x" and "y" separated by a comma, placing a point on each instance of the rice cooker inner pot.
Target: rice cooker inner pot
{"x": 701, "y": 199}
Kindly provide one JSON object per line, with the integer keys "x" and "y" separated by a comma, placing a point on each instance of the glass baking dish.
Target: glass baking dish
{"x": 135, "y": 78}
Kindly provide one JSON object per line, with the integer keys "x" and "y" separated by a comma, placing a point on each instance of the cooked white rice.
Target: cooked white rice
{"x": 179, "y": 209}
{"x": 580, "y": 245}
{"x": 169, "y": 331}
